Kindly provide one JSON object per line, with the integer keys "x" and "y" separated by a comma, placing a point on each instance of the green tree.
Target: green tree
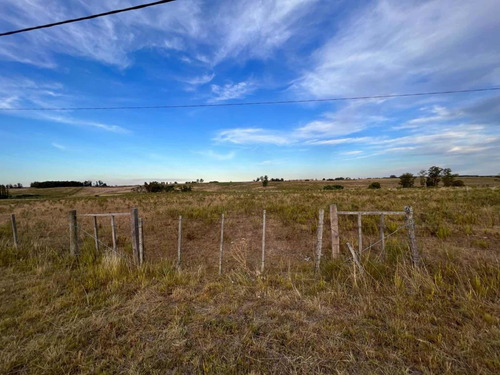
{"x": 4, "y": 192}
{"x": 407, "y": 180}
{"x": 423, "y": 177}
{"x": 265, "y": 181}
{"x": 448, "y": 177}
{"x": 434, "y": 176}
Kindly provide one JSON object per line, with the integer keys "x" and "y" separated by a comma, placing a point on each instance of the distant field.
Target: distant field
{"x": 104, "y": 315}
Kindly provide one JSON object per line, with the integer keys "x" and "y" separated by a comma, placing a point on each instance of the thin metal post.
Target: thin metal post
{"x": 14, "y": 230}
{"x": 113, "y": 232}
{"x": 360, "y": 236}
{"x": 179, "y": 244}
{"x": 96, "y": 234}
{"x": 382, "y": 236}
{"x": 141, "y": 241}
{"x": 412, "y": 237}
{"x": 221, "y": 252}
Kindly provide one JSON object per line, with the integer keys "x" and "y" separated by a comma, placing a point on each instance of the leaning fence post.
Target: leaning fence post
{"x": 113, "y": 232}
{"x": 412, "y": 237}
{"x": 134, "y": 225}
{"x": 355, "y": 258}
{"x": 73, "y": 234}
{"x": 334, "y": 228}
{"x": 360, "y": 235}
{"x": 263, "y": 258}
{"x": 319, "y": 242}
{"x": 382, "y": 236}
{"x": 221, "y": 252}
{"x": 141, "y": 241}
{"x": 14, "y": 230}
{"x": 179, "y": 244}
{"x": 96, "y": 234}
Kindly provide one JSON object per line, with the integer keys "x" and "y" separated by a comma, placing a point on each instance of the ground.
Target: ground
{"x": 103, "y": 314}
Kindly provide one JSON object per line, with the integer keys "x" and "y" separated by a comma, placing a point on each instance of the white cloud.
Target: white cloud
{"x": 218, "y": 156}
{"x": 232, "y": 91}
{"x": 251, "y": 136}
{"x": 399, "y": 46}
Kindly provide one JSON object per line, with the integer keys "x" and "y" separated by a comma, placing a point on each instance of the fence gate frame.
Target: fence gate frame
{"x": 135, "y": 226}
{"x": 409, "y": 224}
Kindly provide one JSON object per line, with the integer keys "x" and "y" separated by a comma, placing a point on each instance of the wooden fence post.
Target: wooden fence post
{"x": 360, "y": 235}
{"x": 113, "y": 232}
{"x": 319, "y": 242}
{"x": 141, "y": 241}
{"x": 134, "y": 225}
{"x": 221, "y": 252}
{"x": 73, "y": 234}
{"x": 263, "y": 258}
{"x": 14, "y": 230}
{"x": 334, "y": 229}
{"x": 412, "y": 237}
{"x": 96, "y": 234}
{"x": 382, "y": 236}
{"x": 179, "y": 244}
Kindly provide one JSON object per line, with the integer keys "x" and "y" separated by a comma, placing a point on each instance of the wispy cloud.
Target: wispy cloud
{"x": 217, "y": 156}
{"x": 232, "y": 90}
{"x": 251, "y": 136}
{"x": 58, "y": 146}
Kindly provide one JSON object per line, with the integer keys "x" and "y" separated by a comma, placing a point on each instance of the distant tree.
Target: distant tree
{"x": 87, "y": 183}
{"x": 423, "y": 177}
{"x": 374, "y": 185}
{"x": 393, "y": 176}
{"x": 448, "y": 177}
{"x": 4, "y": 192}
{"x": 265, "y": 181}
{"x": 407, "y": 180}
{"x": 434, "y": 176}
{"x": 201, "y": 180}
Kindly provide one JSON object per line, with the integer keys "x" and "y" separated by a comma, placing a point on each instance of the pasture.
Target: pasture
{"x": 103, "y": 314}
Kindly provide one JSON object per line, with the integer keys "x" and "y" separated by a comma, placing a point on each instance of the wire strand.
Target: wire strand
{"x": 241, "y": 104}
{"x": 86, "y": 17}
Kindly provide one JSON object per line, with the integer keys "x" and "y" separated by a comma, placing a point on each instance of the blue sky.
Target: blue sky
{"x": 223, "y": 51}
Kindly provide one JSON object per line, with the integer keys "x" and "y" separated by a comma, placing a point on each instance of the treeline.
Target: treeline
{"x": 54, "y": 184}
{"x": 162, "y": 187}
{"x": 431, "y": 178}
{"x": 4, "y": 192}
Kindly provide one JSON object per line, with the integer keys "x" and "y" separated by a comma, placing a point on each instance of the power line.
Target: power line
{"x": 86, "y": 18}
{"x": 241, "y": 104}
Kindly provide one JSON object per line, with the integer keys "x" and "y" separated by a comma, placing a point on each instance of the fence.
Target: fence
{"x": 15, "y": 239}
{"x": 137, "y": 235}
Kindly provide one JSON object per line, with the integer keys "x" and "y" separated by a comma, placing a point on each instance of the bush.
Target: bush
{"x": 333, "y": 187}
{"x": 407, "y": 180}
{"x": 374, "y": 185}
{"x": 4, "y": 192}
{"x": 458, "y": 183}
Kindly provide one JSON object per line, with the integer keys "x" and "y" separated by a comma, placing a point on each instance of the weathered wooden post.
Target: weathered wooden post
{"x": 14, "y": 230}
{"x": 134, "y": 225}
{"x": 263, "y": 258}
{"x": 334, "y": 229}
{"x": 73, "y": 234}
{"x": 221, "y": 252}
{"x": 360, "y": 235}
{"x": 141, "y": 241}
{"x": 319, "y": 241}
{"x": 179, "y": 244}
{"x": 96, "y": 234}
{"x": 382, "y": 236}
{"x": 113, "y": 232}
{"x": 412, "y": 237}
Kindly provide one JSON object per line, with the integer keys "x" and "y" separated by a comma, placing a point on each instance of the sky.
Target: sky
{"x": 232, "y": 51}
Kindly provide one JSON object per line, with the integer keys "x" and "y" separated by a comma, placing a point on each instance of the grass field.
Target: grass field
{"x": 101, "y": 314}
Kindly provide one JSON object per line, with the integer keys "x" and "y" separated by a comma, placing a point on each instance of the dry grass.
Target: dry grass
{"x": 102, "y": 315}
